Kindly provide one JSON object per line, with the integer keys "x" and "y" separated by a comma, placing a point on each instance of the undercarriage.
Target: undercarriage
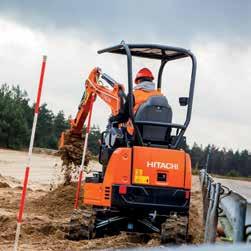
{"x": 91, "y": 222}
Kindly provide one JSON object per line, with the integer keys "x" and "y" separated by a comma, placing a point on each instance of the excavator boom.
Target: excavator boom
{"x": 113, "y": 97}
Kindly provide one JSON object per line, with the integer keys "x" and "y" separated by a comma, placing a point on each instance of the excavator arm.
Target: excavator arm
{"x": 94, "y": 87}
{"x": 113, "y": 97}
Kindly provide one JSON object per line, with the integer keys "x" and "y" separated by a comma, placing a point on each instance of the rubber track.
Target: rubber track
{"x": 82, "y": 224}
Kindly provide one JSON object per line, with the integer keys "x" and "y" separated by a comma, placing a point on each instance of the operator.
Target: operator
{"x": 144, "y": 89}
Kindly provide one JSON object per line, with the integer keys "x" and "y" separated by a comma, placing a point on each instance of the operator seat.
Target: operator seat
{"x": 155, "y": 109}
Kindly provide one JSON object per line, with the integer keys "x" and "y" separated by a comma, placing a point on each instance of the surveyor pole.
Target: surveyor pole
{"x": 28, "y": 166}
{"x": 81, "y": 169}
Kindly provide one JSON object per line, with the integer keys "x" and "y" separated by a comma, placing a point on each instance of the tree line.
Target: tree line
{"x": 16, "y": 117}
{"x": 221, "y": 160}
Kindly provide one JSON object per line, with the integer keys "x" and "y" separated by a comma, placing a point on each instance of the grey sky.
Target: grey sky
{"x": 180, "y": 20}
{"x": 70, "y": 32}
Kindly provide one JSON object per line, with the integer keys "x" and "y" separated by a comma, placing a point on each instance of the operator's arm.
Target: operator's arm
{"x": 123, "y": 115}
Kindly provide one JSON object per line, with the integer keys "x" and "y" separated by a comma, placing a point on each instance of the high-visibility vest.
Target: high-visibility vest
{"x": 140, "y": 97}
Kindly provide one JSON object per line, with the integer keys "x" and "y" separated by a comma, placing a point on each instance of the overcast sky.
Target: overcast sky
{"x": 70, "y": 33}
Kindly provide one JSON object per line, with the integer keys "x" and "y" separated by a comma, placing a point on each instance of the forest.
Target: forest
{"x": 16, "y": 117}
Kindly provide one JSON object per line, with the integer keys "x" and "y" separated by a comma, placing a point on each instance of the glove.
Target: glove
{"x": 112, "y": 119}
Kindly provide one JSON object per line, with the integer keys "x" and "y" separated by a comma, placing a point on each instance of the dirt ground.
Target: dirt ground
{"x": 47, "y": 212}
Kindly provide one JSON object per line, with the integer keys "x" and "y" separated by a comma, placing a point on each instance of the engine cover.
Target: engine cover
{"x": 161, "y": 167}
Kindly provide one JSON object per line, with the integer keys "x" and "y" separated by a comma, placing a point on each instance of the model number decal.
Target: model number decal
{"x": 162, "y": 165}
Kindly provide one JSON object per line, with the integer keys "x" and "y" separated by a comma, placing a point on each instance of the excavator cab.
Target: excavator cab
{"x": 164, "y": 54}
{"x": 146, "y": 184}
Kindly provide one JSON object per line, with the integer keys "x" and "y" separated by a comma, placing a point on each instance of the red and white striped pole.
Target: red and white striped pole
{"x": 27, "y": 170}
{"x": 88, "y": 127}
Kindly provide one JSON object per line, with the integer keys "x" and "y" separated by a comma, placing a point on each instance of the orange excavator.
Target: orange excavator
{"x": 145, "y": 183}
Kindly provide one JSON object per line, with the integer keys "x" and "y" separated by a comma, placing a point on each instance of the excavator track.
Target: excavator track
{"x": 174, "y": 230}
{"x": 82, "y": 224}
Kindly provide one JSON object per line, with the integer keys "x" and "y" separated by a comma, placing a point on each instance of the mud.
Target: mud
{"x": 46, "y": 222}
{"x": 47, "y": 214}
{"x": 4, "y": 184}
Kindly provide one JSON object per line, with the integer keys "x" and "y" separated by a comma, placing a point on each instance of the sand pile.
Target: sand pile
{"x": 57, "y": 203}
{"x": 3, "y": 182}
{"x": 46, "y": 215}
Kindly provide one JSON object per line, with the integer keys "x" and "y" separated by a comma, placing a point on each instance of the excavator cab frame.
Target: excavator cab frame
{"x": 164, "y": 54}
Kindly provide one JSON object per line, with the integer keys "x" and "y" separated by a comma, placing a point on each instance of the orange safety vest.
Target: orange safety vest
{"x": 140, "y": 97}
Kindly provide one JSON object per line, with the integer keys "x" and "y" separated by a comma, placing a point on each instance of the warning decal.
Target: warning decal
{"x": 139, "y": 178}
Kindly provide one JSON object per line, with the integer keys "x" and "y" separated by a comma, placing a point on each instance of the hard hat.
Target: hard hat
{"x": 144, "y": 73}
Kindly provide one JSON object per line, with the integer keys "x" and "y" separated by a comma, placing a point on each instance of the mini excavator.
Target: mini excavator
{"x": 145, "y": 183}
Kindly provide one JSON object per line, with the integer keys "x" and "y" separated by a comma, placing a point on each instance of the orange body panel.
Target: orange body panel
{"x": 93, "y": 192}
{"x": 118, "y": 172}
{"x": 148, "y": 162}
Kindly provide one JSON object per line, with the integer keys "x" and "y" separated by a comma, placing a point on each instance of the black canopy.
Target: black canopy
{"x": 149, "y": 51}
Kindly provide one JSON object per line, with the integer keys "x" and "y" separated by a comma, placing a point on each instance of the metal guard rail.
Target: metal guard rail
{"x": 230, "y": 208}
